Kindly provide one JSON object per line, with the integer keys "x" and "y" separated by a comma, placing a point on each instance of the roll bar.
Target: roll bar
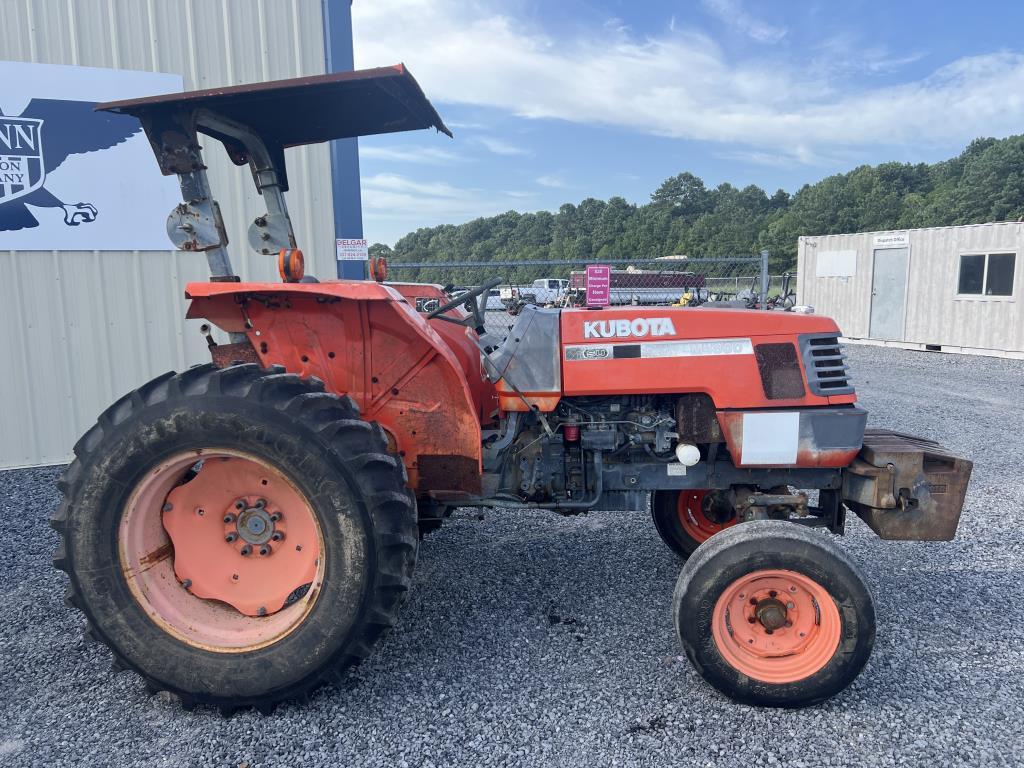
{"x": 256, "y": 123}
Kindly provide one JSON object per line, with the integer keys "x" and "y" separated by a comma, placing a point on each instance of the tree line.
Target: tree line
{"x": 984, "y": 183}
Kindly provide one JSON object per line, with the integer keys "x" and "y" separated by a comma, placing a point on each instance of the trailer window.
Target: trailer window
{"x": 999, "y": 280}
{"x": 986, "y": 274}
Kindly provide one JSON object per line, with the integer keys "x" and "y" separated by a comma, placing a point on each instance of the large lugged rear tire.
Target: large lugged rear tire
{"x": 774, "y": 614}
{"x": 236, "y": 536}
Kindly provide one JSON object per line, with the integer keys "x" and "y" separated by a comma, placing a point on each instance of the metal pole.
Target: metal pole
{"x": 764, "y": 279}
{"x": 348, "y": 209}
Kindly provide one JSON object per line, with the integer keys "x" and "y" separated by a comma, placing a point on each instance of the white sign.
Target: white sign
{"x": 352, "y": 250}
{"x": 770, "y": 438}
{"x": 835, "y": 264}
{"x": 896, "y": 240}
{"x": 71, "y": 178}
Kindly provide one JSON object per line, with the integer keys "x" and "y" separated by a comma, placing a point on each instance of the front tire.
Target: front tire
{"x": 773, "y": 614}
{"x": 153, "y": 542}
{"x": 683, "y": 520}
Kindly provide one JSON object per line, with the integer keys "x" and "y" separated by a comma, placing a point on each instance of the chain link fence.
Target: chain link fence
{"x": 738, "y": 281}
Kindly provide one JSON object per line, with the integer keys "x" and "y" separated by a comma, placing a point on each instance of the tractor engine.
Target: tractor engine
{"x": 586, "y": 432}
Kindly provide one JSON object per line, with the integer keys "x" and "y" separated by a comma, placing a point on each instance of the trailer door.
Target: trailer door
{"x": 889, "y": 293}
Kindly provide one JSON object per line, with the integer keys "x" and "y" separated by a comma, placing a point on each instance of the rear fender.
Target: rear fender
{"x": 365, "y": 341}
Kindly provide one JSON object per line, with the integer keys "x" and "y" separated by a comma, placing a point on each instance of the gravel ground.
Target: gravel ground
{"x": 531, "y": 639}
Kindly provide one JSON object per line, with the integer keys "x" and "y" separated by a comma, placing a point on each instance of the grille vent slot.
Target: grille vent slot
{"x": 825, "y": 364}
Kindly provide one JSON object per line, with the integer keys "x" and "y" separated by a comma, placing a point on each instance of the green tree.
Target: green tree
{"x": 984, "y": 183}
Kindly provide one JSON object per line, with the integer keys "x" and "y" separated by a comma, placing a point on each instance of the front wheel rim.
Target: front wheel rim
{"x": 696, "y": 524}
{"x": 182, "y": 543}
{"x": 776, "y": 626}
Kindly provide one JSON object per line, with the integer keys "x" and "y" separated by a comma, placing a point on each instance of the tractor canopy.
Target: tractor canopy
{"x": 285, "y": 113}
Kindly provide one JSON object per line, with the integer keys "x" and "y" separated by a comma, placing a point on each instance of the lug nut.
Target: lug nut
{"x": 246, "y": 550}
{"x": 262, "y": 611}
{"x": 261, "y": 503}
{"x": 230, "y": 538}
{"x": 277, "y": 536}
{"x": 275, "y": 517}
{"x": 229, "y": 518}
{"x": 168, "y": 507}
{"x": 187, "y": 583}
{"x": 264, "y": 550}
{"x": 239, "y": 505}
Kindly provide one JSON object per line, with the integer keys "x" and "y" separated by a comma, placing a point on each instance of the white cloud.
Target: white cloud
{"x": 499, "y": 147}
{"x": 465, "y": 126}
{"x": 800, "y": 155}
{"x": 681, "y": 84}
{"x": 551, "y": 181}
{"x": 732, "y": 13}
{"x": 394, "y": 203}
{"x": 850, "y": 53}
{"x": 423, "y": 155}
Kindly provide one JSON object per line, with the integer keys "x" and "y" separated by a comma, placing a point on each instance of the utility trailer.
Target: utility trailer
{"x": 243, "y": 531}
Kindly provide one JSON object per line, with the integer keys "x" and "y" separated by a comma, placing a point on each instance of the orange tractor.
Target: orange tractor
{"x": 243, "y": 531}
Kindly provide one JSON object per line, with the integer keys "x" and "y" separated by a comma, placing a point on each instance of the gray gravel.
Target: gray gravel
{"x": 531, "y": 639}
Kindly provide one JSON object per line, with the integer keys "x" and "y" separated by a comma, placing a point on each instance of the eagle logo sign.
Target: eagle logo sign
{"x": 37, "y": 142}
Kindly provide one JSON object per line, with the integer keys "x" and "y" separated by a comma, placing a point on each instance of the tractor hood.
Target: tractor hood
{"x": 664, "y": 323}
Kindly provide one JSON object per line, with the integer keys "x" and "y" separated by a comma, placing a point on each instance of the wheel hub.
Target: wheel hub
{"x": 253, "y": 557}
{"x": 255, "y": 524}
{"x": 776, "y": 626}
{"x": 771, "y": 613}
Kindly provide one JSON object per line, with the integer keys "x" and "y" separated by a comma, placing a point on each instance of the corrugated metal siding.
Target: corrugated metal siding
{"x": 933, "y": 313}
{"x": 82, "y": 328}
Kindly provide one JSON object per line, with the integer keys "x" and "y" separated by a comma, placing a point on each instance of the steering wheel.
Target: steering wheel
{"x": 469, "y": 300}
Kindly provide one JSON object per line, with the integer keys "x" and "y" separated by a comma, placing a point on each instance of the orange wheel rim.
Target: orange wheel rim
{"x": 695, "y": 522}
{"x": 221, "y": 550}
{"x": 776, "y": 626}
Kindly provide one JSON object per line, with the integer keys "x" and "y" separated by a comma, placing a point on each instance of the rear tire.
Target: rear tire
{"x": 822, "y": 629}
{"x": 336, "y": 464}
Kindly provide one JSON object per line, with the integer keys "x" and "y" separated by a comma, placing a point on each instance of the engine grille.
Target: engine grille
{"x": 825, "y": 364}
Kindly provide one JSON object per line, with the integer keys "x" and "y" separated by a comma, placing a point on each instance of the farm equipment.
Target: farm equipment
{"x": 243, "y": 531}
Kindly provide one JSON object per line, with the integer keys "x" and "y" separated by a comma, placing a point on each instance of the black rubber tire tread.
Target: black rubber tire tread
{"x": 665, "y": 513}
{"x": 757, "y": 545}
{"x": 306, "y": 418}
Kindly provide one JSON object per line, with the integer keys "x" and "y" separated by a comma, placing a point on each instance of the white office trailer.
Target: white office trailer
{"x": 950, "y": 289}
{"x": 91, "y": 292}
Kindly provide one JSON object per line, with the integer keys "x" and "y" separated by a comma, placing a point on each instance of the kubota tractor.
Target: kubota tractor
{"x": 243, "y": 531}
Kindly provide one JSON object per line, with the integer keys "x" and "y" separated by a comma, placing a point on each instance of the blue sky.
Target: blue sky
{"x": 552, "y": 102}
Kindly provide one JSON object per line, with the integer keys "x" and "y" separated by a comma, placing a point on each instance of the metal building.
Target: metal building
{"x": 952, "y": 289}
{"x": 82, "y": 327}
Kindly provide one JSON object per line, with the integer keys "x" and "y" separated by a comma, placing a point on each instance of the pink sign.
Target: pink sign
{"x": 599, "y": 282}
